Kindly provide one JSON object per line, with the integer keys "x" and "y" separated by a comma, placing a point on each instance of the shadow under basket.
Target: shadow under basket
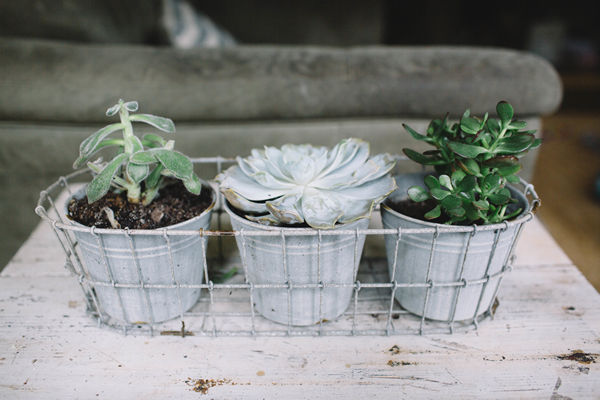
{"x": 447, "y": 273}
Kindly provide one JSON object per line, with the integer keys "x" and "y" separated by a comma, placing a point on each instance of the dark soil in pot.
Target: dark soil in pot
{"x": 175, "y": 204}
{"x": 416, "y": 210}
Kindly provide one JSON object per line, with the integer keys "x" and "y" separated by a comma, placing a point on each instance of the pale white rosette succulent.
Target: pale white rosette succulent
{"x": 302, "y": 183}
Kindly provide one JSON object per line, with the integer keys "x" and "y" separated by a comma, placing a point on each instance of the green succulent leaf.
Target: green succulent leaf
{"x": 137, "y": 172}
{"x": 113, "y": 110}
{"x": 422, "y": 159}
{"x": 468, "y": 184}
{"x": 416, "y": 134}
{"x": 509, "y": 170}
{"x": 193, "y": 185}
{"x": 467, "y": 150}
{"x": 144, "y": 157}
{"x": 418, "y": 194}
{"x": 431, "y": 182}
{"x": 131, "y": 106}
{"x": 498, "y": 199}
{"x": 493, "y": 126}
{"x": 505, "y": 112}
{"x": 452, "y": 202}
{"x": 469, "y": 166}
{"x": 517, "y": 125}
{"x": 88, "y": 146}
{"x": 154, "y": 176}
{"x": 435, "y": 213}
{"x": 501, "y": 162}
{"x": 155, "y": 138}
{"x": 164, "y": 124}
{"x": 504, "y": 191}
{"x": 536, "y": 143}
{"x": 457, "y": 177}
{"x": 471, "y": 212}
{"x": 458, "y": 212}
{"x": 100, "y": 185}
{"x": 446, "y": 181}
{"x": 491, "y": 183}
{"x": 135, "y": 143}
{"x": 439, "y": 194}
{"x": 176, "y": 163}
{"x": 515, "y": 144}
{"x": 513, "y": 179}
{"x": 481, "y": 205}
{"x": 470, "y": 125}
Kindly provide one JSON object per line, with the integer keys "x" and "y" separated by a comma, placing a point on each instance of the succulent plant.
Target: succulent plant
{"x": 302, "y": 183}
{"x": 131, "y": 165}
{"x": 476, "y": 158}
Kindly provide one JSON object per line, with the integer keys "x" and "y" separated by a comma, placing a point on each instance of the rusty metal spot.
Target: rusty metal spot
{"x": 182, "y": 332}
{"x": 580, "y": 356}
{"x": 495, "y": 306}
{"x": 395, "y": 350}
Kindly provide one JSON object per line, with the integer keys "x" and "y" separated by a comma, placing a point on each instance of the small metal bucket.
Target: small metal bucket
{"x": 302, "y": 263}
{"x": 119, "y": 265}
{"x": 458, "y": 272}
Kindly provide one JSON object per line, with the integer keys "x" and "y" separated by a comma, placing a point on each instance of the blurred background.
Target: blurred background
{"x": 567, "y": 34}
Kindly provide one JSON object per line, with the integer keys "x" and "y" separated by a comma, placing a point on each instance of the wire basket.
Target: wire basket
{"x": 226, "y": 307}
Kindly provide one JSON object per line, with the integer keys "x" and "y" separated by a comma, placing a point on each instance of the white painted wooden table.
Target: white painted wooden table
{"x": 548, "y": 316}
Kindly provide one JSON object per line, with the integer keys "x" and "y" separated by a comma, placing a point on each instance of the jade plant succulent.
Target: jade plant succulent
{"x": 304, "y": 184}
{"x": 475, "y": 159}
{"x": 129, "y": 170}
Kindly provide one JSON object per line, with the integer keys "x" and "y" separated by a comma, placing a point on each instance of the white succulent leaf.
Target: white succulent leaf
{"x": 275, "y": 170}
{"x": 242, "y": 203}
{"x": 320, "y": 210}
{"x": 349, "y": 153}
{"x": 233, "y": 178}
{"x": 264, "y": 219}
{"x": 288, "y": 208}
{"x": 303, "y": 170}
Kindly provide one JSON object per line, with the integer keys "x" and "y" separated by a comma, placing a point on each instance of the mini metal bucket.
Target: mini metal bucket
{"x": 454, "y": 275}
{"x": 309, "y": 267}
{"x": 121, "y": 263}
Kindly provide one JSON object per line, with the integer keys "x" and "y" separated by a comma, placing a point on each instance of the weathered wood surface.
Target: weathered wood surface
{"x": 548, "y": 313}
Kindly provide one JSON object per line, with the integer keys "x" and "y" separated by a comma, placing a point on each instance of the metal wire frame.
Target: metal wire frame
{"x": 386, "y": 303}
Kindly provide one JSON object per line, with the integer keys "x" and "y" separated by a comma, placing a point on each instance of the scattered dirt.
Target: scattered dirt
{"x": 202, "y": 385}
{"x": 392, "y": 363}
{"x": 580, "y": 357}
{"x": 174, "y": 205}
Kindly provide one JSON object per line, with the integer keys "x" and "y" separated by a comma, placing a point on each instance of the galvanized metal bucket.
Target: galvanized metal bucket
{"x": 120, "y": 264}
{"x": 300, "y": 264}
{"x": 458, "y": 272}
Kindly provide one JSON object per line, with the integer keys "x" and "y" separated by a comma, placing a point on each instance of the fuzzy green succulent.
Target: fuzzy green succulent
{"x": 304, "y": 184}
{"x": 476, "y": 159}
{"x": 131, "y": 165}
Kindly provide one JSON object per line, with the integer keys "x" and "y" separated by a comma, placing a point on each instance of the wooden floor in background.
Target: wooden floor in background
{"x": 567, "y": 166}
